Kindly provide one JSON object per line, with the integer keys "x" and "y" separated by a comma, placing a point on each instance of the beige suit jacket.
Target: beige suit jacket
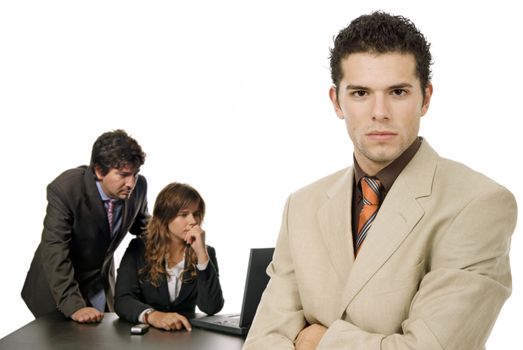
{"x": 433, "y": 272}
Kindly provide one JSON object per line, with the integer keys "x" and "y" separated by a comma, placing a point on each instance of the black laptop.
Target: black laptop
{"x": 255, "y": 284}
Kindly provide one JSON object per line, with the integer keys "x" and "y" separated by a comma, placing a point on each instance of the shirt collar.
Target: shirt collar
{"x": 101, "y": 191}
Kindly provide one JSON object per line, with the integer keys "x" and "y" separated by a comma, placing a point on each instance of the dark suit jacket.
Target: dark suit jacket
{"x": 75, "y": 257}
{"x": 134, "y": 294}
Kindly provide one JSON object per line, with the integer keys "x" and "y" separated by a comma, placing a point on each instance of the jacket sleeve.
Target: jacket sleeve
{"x": 210, "y": 298}
{"x": 128, "y": 295}
{"x": 58, "y": 268}
{"x": 279, "y": 317}
{"x": 460, "y": 297}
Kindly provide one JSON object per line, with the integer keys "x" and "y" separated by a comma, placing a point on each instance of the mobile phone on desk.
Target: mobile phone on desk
{"x": 140, "y": 329}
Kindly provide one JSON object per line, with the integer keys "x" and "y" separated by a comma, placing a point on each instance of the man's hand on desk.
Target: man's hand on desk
{"x": 309, "y": 337}
{"x": 87, "y": 315}
{"x": 170, "y": 321}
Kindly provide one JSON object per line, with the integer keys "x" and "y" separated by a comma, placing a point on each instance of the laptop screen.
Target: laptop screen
{"x": 255, "y": 283}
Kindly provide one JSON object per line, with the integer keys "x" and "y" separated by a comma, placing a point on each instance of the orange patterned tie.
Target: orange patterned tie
{"x": 371, "y": 191}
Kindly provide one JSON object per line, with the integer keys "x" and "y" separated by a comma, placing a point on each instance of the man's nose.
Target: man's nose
{"x": 380, "y": 109}
{"x": 130, "y": 181}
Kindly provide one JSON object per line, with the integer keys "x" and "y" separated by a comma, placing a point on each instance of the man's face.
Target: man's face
{"x": 381, "y": 101}
{"x": 118, "y": 183}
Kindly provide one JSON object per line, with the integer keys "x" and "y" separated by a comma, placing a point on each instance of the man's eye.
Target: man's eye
{"x": 359, "y": 93}
{"x": 399, "y": 92}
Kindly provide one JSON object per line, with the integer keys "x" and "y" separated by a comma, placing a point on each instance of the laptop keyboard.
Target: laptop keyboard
{"x": 233, "y": 321}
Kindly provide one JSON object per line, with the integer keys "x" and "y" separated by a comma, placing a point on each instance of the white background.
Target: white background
{"x": 231, "y": 97}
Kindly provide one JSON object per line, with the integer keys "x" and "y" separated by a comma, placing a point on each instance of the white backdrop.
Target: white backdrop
{"x": 231, "y": 97}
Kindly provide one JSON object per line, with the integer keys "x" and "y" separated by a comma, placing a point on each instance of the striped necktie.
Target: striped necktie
{"x": 110, "y": 214}
{"x": 371, "y": 191}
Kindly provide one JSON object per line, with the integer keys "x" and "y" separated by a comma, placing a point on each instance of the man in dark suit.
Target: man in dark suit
{"x": 89, "y": 211}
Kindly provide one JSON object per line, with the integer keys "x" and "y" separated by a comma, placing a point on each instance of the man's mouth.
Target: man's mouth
{"x": 381, "y": 135}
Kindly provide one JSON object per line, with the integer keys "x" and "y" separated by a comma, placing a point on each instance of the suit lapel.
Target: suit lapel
{"x": 335, "y": 224}
{"x": 122, "y": 230}
{"x": 163, "y": 290}
{"x": 95, "y": 203}
{"x": 185, "y": 291}
{"x": 397, "y": 217}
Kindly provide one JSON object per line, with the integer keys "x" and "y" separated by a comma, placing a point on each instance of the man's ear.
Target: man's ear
{"x": 426, "y": 99}
{"x": 333, "y": 95}
{"x": 98, "y": 173}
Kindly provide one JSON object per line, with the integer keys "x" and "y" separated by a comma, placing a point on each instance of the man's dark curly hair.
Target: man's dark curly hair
{"x": 381, "y": 33}
{"x": 115, "y": 149}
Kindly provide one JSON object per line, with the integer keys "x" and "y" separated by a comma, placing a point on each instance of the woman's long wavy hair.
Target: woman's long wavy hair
{"x": 170, "y": 201}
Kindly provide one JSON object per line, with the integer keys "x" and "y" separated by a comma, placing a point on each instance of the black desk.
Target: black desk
{"x": 56, "y": 332}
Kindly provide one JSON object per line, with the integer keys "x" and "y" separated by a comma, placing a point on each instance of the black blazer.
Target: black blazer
{"x": 75, "y": 255}
{"x": 134, "y": 294}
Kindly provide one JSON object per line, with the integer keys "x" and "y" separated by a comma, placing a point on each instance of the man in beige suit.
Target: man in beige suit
{"x": 423, "y": 265}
